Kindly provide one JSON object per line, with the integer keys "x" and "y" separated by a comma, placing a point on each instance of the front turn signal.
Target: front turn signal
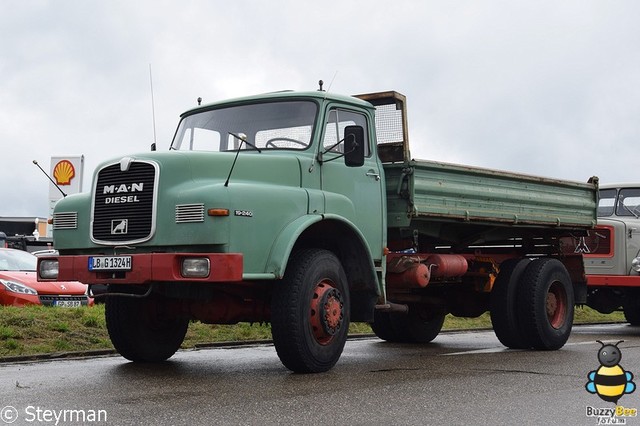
{"x": 218, "y": 212}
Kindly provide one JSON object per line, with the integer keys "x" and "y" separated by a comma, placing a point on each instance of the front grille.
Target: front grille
{"x": 597, "y": 242}
{"x": 124, "y": 203}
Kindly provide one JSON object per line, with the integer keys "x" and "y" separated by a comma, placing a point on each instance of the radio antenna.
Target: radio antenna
{"x": 52, "y": 181}
{"x": 332, "y": 79}
{"x": 153, "y": 108}
{"x": 330, "y": 84}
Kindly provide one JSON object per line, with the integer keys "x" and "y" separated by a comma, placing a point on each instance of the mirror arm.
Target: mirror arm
{"x": 321, "y": 161}
{"x": 333, "y": 146}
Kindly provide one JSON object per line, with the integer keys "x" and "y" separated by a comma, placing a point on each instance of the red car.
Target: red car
{"x": 19, "y": 285}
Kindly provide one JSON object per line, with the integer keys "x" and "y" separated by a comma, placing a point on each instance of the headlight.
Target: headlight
{"x": 17, "y": 287}
{"x": 635, "y": 264}
{"x": 195, "y": 267}
{"x": 48, "y": 269}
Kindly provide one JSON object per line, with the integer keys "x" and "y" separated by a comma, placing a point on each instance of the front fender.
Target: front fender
{"x": 281, "y": 248}
{"x": 286, "y": 240}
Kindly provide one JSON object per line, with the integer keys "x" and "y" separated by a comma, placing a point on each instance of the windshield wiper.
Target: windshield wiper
{"x": 633, "y": 212}
{"x": 242, "y": 139}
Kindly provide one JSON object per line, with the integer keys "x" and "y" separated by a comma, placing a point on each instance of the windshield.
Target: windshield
{"x": 625, "y": 202}
{"x": 17, "y": 260}
{"x": 607, "y": 202}
{"x": 629, "y": 202}
{"x": 273, "y": 125}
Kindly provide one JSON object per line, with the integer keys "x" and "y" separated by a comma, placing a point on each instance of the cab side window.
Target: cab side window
{"x": 337, "y": 120}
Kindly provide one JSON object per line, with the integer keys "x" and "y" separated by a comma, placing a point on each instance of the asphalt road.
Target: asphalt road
{"x": 464, "y": 378}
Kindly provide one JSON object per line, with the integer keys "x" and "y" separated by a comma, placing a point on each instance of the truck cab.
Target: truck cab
{"x": 612, "y": 252}
{"x": 205, "y": 229}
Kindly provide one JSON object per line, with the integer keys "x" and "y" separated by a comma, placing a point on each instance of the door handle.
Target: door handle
{"x": 372, "y": 173}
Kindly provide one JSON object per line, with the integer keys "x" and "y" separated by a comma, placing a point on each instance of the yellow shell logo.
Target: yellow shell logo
{"x": 64, "y": 172}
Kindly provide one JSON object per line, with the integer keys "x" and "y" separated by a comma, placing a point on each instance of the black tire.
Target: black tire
{"x": 503, "y": 304}
{"x": 418, "y": 326}
{"x": 545, "y": 303}
{"x": 631, "y": 312}
{"x": 143, "y": 330}
{"x": 383, "y": 327}
{"x": 310, "y": 312}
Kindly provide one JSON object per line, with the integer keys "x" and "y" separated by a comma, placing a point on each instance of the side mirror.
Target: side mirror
{"x": 353, "y": 146}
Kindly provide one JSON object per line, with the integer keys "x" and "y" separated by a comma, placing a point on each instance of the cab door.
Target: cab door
{"x": 355, "y": 193}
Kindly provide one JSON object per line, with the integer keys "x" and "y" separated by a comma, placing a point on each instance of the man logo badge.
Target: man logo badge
{"x": 119, "y": 226}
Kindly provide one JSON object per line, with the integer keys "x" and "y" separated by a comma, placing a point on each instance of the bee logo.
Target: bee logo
{"x": 610, "y": 381}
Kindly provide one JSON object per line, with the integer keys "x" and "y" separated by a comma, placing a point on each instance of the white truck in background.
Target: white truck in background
{"x": 611, "y": 252}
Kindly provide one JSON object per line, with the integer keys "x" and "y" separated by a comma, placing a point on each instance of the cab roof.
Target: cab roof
{"x": 620, "y": 185}
{"x": 282, "y": 95}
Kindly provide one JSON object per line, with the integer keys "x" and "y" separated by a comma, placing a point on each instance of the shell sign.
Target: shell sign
{"x": 63, "y": 172}
{"x": 66, "y": 172}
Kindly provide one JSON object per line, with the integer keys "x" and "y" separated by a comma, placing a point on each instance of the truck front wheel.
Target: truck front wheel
{"x": 143, "y": 329}
{"x": 310, "y": 312}
{"x": 546, "y": 304}
{"x": 631, "y": 309}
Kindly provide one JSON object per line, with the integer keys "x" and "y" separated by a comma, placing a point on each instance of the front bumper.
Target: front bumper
{"x": 147, "y": 268}
{"x": 613, "y": 280}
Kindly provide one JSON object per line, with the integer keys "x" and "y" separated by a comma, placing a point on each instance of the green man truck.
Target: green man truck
{"x": 306, "y": 210}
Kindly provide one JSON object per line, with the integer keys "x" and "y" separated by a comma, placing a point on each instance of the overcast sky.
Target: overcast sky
{"x": 549, "y": 88}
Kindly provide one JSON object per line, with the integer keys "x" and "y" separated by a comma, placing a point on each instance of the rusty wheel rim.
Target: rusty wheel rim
{"x": 556, "y": 305}
{"x": 326, "y": 312}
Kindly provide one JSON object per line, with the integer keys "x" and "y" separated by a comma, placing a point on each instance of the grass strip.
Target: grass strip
{"x": 40, "y": 330}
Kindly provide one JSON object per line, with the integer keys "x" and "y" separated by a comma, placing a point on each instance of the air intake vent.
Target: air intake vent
{"x": 65, "y": 220}
{"x": 124, "y": 203}
{"x": 189, "y": 213}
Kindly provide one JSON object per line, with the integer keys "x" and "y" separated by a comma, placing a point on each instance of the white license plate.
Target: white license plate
{"x": 110, "y": 263}
{"x": 67, "y": 303}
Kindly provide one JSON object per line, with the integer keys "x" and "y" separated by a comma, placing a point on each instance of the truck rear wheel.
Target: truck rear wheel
{"x": 417, "y": 326}
{"x": 310, "y": 312}
{"x": 143, "y": 330}
{"x": 504, "y": 310}
{"x": 383, "y": 327}
{"x": 546, "y": 304}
